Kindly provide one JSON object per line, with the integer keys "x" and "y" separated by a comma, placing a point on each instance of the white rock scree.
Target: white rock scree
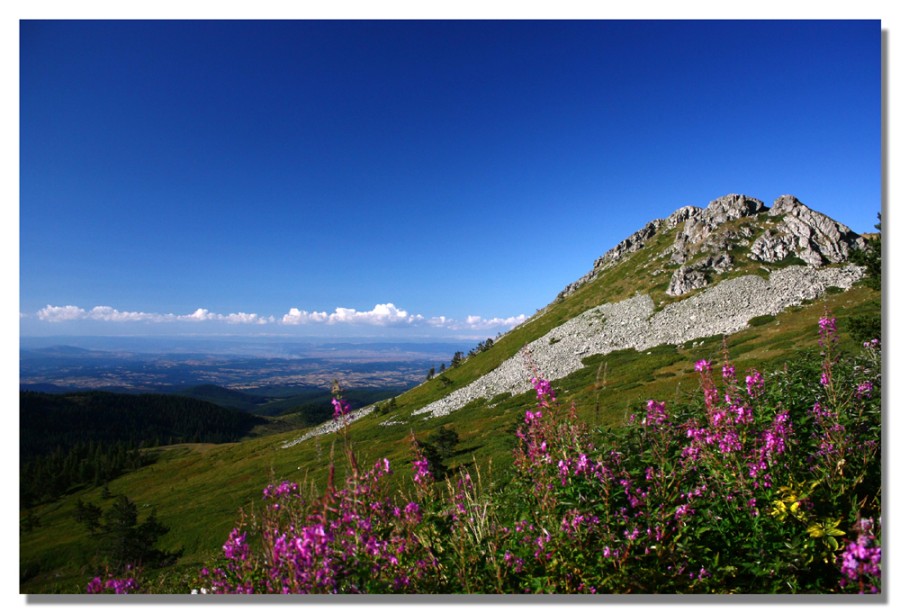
{"x": 631, "y": 324}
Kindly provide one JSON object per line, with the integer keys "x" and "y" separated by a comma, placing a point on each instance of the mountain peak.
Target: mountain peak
{"x": 731, "y": 207}
{"x": 698, "y": 273}
{"x": 707, "y": 239}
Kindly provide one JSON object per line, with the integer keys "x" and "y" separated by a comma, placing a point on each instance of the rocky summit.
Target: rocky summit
{"x": 697, "y": 273}
{"x": 705, "y": 239}
{"x": 703, "y": 248}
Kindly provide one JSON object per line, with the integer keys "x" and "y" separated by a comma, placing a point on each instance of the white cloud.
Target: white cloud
{"x": 247, "y": 318}
{"x": 387, "y": 314}
{"x": 231, "y": 318}
{"x": 198, "y": 315}
{"x": 476, "y": 322}
{"x": 296, "y": 317}
{"x": 98, "y": 313}
{"x": 109, "y": 314}
{"x": 60, "y": 313}
{"x": 105, "y": 313}
{"x": 380, "y": 315}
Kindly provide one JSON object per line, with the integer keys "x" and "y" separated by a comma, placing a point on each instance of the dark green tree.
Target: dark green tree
{"x": 88, "y": 514}
{"x": 485, "y": 345}
{"x": 866, "y": 327}
{"x": 386, "y": 407}
{"x": 122, "y": 541}
{"x": 438, "y": 447}
{"x": 870, "y": 258}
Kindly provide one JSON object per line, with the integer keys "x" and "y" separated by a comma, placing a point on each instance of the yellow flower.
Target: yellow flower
{"x": 791, "y": 502}
{"x": 826, "y": 530}
{"x": 779, "y": 510}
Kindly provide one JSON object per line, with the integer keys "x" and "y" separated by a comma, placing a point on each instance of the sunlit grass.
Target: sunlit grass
{"x": 196, "y": 489}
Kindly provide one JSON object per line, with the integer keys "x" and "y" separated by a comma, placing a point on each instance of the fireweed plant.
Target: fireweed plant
{"x": 766, "y": 484}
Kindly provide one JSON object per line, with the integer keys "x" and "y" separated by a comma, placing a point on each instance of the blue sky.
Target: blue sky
{"x": 405, "y": 178}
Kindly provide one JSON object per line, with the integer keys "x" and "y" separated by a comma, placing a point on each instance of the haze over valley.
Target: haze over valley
{"x": 262, "y": 366}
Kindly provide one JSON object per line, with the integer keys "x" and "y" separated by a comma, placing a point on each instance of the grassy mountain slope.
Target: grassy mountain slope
{"x": 198, "y": 489}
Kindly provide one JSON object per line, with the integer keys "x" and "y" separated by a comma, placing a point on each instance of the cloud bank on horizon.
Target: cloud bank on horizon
{"x": 381, "y": 315}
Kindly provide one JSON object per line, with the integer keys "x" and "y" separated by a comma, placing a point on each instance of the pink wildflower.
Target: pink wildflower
{"x": 341, "y": 407}
{"x": 755, "y": 384}
{"x": 544, "y": 390}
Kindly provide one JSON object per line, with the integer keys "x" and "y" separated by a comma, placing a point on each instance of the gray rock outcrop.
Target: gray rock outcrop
{"x": 813, "y": 237}
{"x": 802, "y": 232}
{"x": 688, "y": 278}
{"x": 698, "y": 229}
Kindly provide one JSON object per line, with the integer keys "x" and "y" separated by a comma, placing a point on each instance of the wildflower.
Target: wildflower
{"x": 872, "y": 344}
{"x": 820, "y": 412}
{"x": 285, "y": 488}
{"x": 236, "y": 546}
{"x": 656, "y": 413}
{"x": 827, "y": 331}
{"x": 422, "y": 474}
{"x": 775, "y": 437}
{"x": 700, "y": 575}
{"x": 861, "y": 559}
{"x": 413, "y": 512}
{"x": 112, "y": 585}
{"x": 341, "y": 407}
{"x": 701, "y": 366}
{"x": 864, "y": 390}
{"x": 583, "y": 464}
{"x": 711, "y": 396}
{"x": 755, "y": 384}
{"x": 728, "y": 372}
{"x": 742, "y": 413}
{"x": 544, "y": 390}
{"x": 729, "y": 442}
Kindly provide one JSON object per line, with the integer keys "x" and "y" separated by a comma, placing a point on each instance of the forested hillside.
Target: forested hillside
{"x": 71, "y": 440}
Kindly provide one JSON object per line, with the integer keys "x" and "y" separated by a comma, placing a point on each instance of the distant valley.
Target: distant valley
{"x": 261, "y": 368}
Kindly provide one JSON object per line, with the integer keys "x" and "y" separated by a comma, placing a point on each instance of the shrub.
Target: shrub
{"x": 761, "y": 320}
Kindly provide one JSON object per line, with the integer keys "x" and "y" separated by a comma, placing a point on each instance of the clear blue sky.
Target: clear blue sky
{"x": 270, "y": 177}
